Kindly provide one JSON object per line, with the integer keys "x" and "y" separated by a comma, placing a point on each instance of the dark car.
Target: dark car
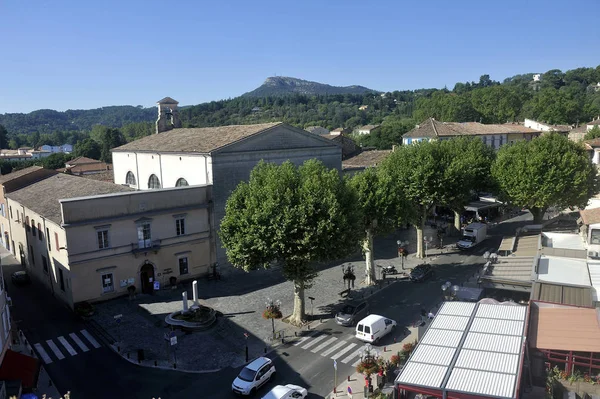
{"x": 351, "y": 313}
{"x": 421, "y": 273}
{"x": 20, "y": 278}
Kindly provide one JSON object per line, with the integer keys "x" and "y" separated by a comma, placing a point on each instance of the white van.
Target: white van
{"x": 373, "y": 327}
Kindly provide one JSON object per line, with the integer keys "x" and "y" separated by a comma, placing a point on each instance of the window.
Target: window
{"x": 40, "y": 232}
{"x": 183, "y": 265}
{"x": 153, "y": 182}
{"x": 56, "y": 241}
{"x": 180, "y": 226}
{"x": 2, "y": 210}
{"x": 10, "y": 211}
{"x": 48, "y": 239}
{"x": 62, "y": 279}
{"x": 33, "y": 229}
{"x": 144, "y": 235}
{"x": 45, "y": 263}
{"x": 181, "y": 182}
{"x": 130, "y": 179}
{"x": 18, "y": 216}
{"x": 27, "y": 223}
{"x": 107, "y": 283}
{"x": 103, "y": 239}
{"x": 595, "y": 237}
{"x": 32, "y": 254}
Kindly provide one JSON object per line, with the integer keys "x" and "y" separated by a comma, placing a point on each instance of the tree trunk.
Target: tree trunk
{"x": 457, "y": 224}
{"x": 538, "y": 214}
{"x": 420, "y": 226}
{"x": 298, "y": 315}
{"x": 370, "y": 277}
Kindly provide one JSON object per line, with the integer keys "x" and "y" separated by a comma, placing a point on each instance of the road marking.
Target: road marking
{"x": 79, "y": 342}
{"x": 333, "y": 348}
{"x": 67, "y": 346}
{"x": 55, "y": 349}
{"x": 301, "y": 340}
{"x": 352, "y": 355}
{"x": 340, "y": 353}
{"x": 40, "y": 350}
{"x": 89, "y": 337}
{"x": 324, "y": 344}
{"x": 314, "y": 341}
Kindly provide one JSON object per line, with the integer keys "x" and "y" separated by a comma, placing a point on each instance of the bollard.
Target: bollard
{"x": 348, "y": 378}
{"x": 118, "y": 349}
{"x": 283, "y": 340}
{"x": 265, "y": 349}
{"x": 385, "y": 349}
{"x": 127, "y": 355}
{"x": 334, "y": 390}
{"x": 394, "y": 339}
{"x": 174, "y": 365}
{"x": 155, "y": 363}
{"x": 295, "y": 333}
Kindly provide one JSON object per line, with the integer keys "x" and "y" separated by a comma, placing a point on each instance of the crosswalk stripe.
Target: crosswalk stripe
{"x": 40, "y": 350}
{"x": 346, "y": 349}
{"x": 301, "y": 340}
{"x": 89, "y": 337}
{"x": 352, "y": 355}
{"x": 314, "y": 341}
{"x": 334, "y": 348}
{"x": 324, "y": 344}
{"x": 79, "y": 342}
{"x": 55, "y": 349}
{"x": 67, "y": 346}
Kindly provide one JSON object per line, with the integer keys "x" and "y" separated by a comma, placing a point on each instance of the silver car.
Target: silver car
{"x": 351, "y": 313}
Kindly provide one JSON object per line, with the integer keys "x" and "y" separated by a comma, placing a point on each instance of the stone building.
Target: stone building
{"x": 222, "y": 156}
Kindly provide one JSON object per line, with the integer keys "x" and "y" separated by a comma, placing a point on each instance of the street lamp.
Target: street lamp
{"x": 427, "y": 240}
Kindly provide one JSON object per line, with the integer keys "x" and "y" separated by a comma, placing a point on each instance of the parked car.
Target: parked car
{"x": 253, "y": 376}
{"x": 20, "y": 278}
{"x": 421, "y": 273}
{"x": 373, "y": 327}
{"x": 351, "y": 313}
{"x": 288, "y": 391}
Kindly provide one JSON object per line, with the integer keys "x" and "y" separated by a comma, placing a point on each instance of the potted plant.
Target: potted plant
{"x": 272, "y": 312}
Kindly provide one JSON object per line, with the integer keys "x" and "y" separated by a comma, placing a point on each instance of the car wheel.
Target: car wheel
{"x": 253, "y": 392}
{"x": 272, "y": 377}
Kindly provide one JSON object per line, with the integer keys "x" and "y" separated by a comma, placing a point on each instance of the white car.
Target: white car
{"x": 253, "y": 376}
{"x": 288, "y": 391}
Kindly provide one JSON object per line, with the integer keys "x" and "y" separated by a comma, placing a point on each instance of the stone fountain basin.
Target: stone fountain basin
{"x": 206, "y": 321}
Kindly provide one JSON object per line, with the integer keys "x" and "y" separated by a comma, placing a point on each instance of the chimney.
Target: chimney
{"x": 168, "y": 115}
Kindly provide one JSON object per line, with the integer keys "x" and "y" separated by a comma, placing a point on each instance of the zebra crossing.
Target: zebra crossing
{"x": 335, "y": 348}
{"x": 63, "y": 347}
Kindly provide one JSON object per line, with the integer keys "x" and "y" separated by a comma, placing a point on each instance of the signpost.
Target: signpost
{"x": 118, "y": 318}
{"x": 334, "y": 376}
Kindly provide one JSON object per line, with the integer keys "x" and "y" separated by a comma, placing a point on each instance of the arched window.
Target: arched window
{"x": 130, "y": 179}
{"x": 153, "y": 182}
{"x": 181, "y": 182}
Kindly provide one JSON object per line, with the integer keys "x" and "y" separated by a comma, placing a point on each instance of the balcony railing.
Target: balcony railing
{"x": 145, "y": 246}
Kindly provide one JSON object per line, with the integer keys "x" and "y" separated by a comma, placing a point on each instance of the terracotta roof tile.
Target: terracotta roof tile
{"x": 19, "y": 173}
{"x": 432, "y": 128}
{"x": 590, "y": 216}
{"x": 366, "y": 159}
{"x": 202, "y": 140}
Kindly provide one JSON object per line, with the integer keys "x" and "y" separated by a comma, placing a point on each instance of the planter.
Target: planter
{"x": 84, "y": 310}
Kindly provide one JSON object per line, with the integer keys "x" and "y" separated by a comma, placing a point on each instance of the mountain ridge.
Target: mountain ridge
{"x": 285, "y": 85}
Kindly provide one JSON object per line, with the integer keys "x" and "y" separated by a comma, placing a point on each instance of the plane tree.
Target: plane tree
{"x": 548, "y": 171}
{"x": 293, "y": 216}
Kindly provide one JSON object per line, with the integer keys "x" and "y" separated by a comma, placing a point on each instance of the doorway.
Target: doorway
{"x": 147, "y": 278}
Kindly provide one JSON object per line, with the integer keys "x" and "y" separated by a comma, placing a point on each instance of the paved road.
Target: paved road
{"x": 62, "y": 340}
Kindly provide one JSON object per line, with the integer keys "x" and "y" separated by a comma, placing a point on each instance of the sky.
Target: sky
{"x": 74, "y": 54}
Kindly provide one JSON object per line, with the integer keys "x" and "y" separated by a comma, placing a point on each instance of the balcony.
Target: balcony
{"x": 145, "y": 246}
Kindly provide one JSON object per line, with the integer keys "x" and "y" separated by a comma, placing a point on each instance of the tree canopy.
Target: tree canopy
{"x": 549, "y": 171}
{"x": 292, "y": 215}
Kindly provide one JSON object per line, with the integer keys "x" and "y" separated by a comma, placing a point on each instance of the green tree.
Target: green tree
{"x": 295, "y": 216}
{"x": 87, "y": 148}
{"x": 56, "y": 161}
{"x": 469, "y": 171}
{"x": 380, "y": 206}
{"x": 547, "y": 171}
{"x": 593, "y": 133}
{"x": 111, "y": 138}
{"x": 419, "y": 173}
{"x": 3, "y": 137}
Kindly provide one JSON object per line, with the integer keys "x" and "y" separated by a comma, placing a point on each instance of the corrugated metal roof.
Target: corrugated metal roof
{"x": 496, "y": 362}
{"x": 447, "y": 322}
{"x": 457, "y": 308}
{"x": 594, "y": 269}
{"x": 442, "y": 338}
{"x": 482, "y": 383}
{"x": 501, "y": 312}
{"x": 422, "y": 374}
{"x": 494, "y": 326}
{"x": 493, "y": 343}
{"x": 441, "y": 356}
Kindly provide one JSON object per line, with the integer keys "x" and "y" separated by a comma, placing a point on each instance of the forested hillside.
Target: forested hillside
{"x": 559, "y": 98}
{"x": 285, "y": 86}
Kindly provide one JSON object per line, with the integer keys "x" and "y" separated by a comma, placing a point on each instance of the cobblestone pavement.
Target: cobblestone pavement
{"x": 241, "y": 298}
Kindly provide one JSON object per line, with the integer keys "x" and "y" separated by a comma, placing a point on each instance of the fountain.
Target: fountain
{"x": 196, "y": 318}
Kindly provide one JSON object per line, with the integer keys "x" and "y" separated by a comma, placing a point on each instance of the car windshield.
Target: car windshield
{"x": 348, "y": 309}
{"x": 468, "y": 238}
{"x": 246, "y": 374}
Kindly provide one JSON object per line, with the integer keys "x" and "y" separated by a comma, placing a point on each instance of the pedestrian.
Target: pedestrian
{"x": 430, "y": 315}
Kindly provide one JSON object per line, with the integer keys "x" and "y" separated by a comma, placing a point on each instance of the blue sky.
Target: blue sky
{"x": 86, "y": 54}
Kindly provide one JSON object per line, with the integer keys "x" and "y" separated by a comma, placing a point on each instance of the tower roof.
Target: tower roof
{"x": 167, "y": 100}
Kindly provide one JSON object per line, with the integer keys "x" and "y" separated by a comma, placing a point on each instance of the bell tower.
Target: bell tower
{"x": 168, "y": 115}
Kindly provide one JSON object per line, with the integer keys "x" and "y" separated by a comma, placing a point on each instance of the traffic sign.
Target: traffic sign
{"x": 173, "y": 341}
{"x": 335, "y": 364}
{"x": 117, "y": 316}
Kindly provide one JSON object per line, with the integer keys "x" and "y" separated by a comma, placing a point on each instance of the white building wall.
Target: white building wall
{"x": 124, "y": 162}
{"x": 192, "y": 167}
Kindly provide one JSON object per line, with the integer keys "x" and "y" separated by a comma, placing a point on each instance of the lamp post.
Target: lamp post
{"x": 427, "y": 240}
{"x": 272, "y": 312}
{"x": 401, "y": 251}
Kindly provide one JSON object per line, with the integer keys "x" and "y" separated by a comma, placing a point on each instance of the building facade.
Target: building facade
{"x": 222, "y": 156}
{"x": 87, "y": 240}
